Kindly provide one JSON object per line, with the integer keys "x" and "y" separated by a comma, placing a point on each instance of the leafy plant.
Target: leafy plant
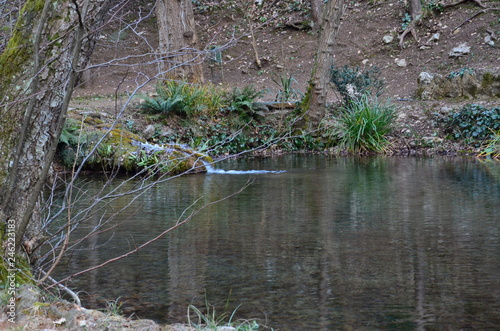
{"x": 144, "y": 159}
{"x": 211, "y": 321}
{"x": 492, "y": 148}
{"x": 364, "y": 123}
{"x": 473, "y": 123}
{"x": 286, "y": 92}
{"x": 114, "y": 307}
{"x": 460, "y": 73}
{"x": 241, "y": 101}
{"x": 406, "y": 21}
{"x": 74, "y": 140}
{"x": 433, "y": 6}
{"x": 185, "y": 100}
{"x": 352, "y": 83}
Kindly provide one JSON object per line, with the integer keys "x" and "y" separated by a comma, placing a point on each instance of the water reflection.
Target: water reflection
{"x": 333, "y": 243}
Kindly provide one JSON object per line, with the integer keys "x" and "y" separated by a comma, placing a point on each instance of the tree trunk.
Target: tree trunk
{"x": 315, "y": 99}
{"x": 178, "y": 40}
{"x": 316, "y": 6}
{"x": 415, "y": 9}
{"x": 39, "y": 69}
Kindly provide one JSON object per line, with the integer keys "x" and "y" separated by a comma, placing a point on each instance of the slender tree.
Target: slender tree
{"x": 315, "y": 98}
{"x": 316, "y": 6}
{"x": 51, "y": 42}
{"x": 178, "y": 40}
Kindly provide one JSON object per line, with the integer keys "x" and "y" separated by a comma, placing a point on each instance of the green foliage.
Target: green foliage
{"x": 460, "y": 73}
{"x": 286, "y": 91}
{"x": 433, "y": 6}
{"x": 241, "y": 101}
{"x": 492, "y": 148}
{"x": 364, "y": 124}
{"x": 144, "y": 159}
{"x": 114, "y": 307}
{"x": 473, "y": 123}
{"x": 74, "y": 140}
{"x": 211, "y": 321}
{"x": 70, "y": 132}
{"x": 353, "y": 83}
{"x": 182, "y": 99}
{"x": 406, "y": 21}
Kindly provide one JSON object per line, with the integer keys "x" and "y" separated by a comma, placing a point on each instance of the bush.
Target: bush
{"x": 473, "y": 123}
{"x": 492, "y": 148}
{"x": 286, "y": 91}
{"x": 363, "y": 124}
{"x": 353, "y": 83}
{"x": 241, "y": 101}
{"x": 183, "y": 99}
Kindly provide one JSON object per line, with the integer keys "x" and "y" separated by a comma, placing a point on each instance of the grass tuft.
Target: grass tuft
{"x": 364, "y": 123}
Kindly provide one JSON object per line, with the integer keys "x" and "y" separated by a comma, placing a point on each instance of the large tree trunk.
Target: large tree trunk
{"x": 178, "y": 40}
{"x": 315, "y": 99}
{"x": 52, "y": 40}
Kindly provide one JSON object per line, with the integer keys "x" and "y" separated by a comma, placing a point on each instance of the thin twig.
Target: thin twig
{"x": 177, "y": 225}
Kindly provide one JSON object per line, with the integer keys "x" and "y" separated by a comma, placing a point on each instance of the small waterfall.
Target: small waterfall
{"x": 203, "y": 158}
{"x": 211, "y": 170}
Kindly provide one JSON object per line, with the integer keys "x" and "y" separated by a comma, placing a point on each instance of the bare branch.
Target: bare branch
{"x": 177, "y": 225}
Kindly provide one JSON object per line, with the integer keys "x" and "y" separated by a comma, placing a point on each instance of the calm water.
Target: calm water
{"x": 333, "y": 243}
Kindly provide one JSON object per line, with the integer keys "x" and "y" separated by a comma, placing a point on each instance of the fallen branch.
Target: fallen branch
{"x": 482, "y": 11}
{"x": 478, "y": 2}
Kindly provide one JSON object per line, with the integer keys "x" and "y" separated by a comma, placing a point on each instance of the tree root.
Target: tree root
{"x": 409, "y": 29}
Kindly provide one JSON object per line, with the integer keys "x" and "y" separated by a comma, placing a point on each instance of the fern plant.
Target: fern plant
{"x": 241, "y": 101}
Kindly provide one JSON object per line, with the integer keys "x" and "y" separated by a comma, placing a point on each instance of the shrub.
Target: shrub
{"x": 74, "y": 139}
{"x": 492, "y": 148}
{"x": 364, "y": 123}
{"x": 185, "y": 100}
{"x": 353, "y": 83}
{"x": 286, "y": 92}
{"x": 473, "y": 123}
{"x": 241, "y": 101}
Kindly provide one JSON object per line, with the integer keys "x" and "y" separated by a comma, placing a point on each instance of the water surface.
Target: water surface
{"x": 332, "y": 243}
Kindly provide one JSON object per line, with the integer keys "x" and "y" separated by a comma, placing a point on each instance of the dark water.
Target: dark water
{"x": 333, "y": 243}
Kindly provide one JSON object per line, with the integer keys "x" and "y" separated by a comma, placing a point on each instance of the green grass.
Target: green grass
{"x": 364, "y": 123}
{"x": 212, "y": 321}
{"x": 492, "y": 148}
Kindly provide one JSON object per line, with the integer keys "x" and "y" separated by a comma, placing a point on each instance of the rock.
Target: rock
{"x": 425, "y": 78}
{"x": 167, "y": 131}
{"x": 387, "y": 39}
{"x": 401, "y": 62}
{"x": 489, "y": 40}
{"x": 460, "y": 50}
{"x": 148, "y": 132}
{"x": 465, "y": 84}
{"x": 435, "y": 37}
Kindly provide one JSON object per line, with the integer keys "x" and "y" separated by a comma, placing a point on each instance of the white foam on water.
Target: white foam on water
{"x": 211, "y": 170}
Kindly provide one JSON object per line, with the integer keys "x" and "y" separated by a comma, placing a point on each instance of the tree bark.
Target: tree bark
{"x": 178, "y": 40}
{"x": 315, "y": 99}
{"x": 316, "y": 6}
{"x": 39, "y": 69}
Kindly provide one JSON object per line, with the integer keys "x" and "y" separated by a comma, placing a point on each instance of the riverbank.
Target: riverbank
{"x": 35, "y": 311}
